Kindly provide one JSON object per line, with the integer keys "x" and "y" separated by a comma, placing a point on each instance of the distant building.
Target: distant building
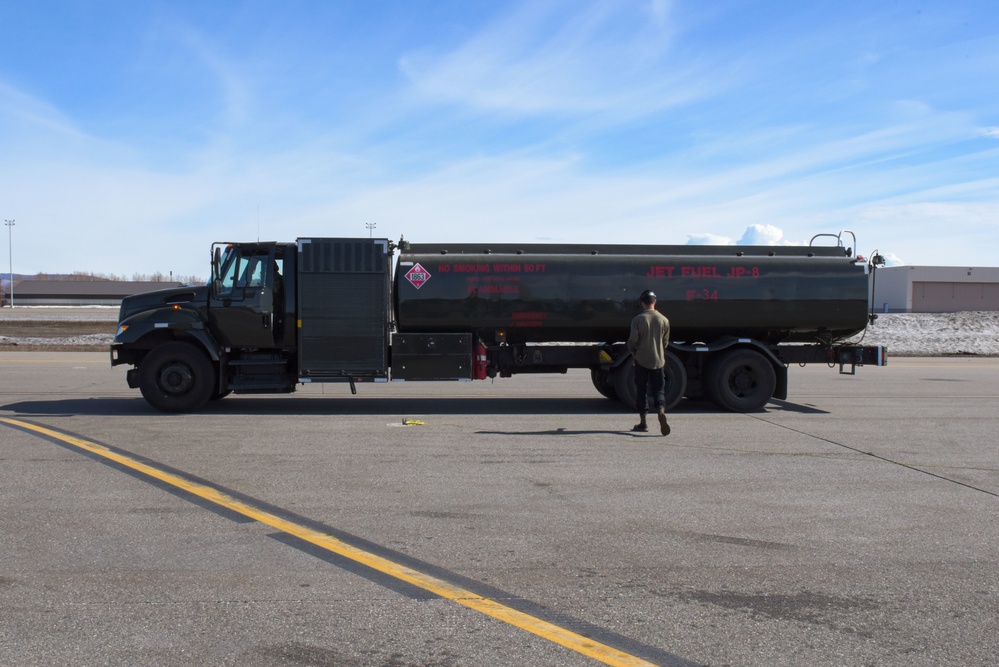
{"x": 936, "y": 289}
{"x": 79, "y": 292}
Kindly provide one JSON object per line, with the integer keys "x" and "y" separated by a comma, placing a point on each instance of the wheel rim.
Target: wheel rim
{"x": 175, "y": 379}
{"x": 742, "y": 381}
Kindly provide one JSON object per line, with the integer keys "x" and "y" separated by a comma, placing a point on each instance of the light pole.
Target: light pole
{"x": 370, "y": 226}
{"x": 10, "y": 256}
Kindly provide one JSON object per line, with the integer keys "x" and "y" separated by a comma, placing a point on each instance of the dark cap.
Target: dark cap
{"x": 648, "y": 296}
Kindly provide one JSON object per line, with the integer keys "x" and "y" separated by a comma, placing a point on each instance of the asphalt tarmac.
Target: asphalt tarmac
{"x": 515, "y": 522}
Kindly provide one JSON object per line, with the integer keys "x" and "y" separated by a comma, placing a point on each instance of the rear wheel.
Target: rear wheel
{"x": 176, "y": 377}
{"x": 602, "y": 381}
{"x": 676, "y": 382}
{"x": 740, "y": 381}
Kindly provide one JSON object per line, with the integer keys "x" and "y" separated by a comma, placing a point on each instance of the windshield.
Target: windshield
{"x": 227, "y": 268}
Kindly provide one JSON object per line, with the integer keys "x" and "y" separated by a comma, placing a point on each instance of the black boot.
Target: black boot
{"x": 663, "y": 426}
{"x": 641, "y": 426}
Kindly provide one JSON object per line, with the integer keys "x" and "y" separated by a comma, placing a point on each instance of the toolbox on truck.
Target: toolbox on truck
{"x": 432, "y": 357}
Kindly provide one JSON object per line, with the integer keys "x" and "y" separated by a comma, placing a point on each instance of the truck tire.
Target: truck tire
{"x": 740, "y": 381}
{"x": 602, "y": 381}
{"x": 176, "y": 377}
{"x": 676, "y": 382}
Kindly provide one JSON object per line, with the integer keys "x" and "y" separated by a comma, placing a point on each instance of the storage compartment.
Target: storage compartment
{"x": 343, "y": 306}
{"x": 432, "y": 357}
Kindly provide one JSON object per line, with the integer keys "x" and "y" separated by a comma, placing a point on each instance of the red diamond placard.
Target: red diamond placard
{"x": 417, "y": 275}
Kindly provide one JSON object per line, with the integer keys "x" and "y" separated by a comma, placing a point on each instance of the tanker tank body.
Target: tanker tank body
{"x": 549, "y": 293}
{"x": 739, "y": 314}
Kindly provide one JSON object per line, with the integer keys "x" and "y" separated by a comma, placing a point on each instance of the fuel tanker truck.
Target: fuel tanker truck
{"x": 277, "y": 315}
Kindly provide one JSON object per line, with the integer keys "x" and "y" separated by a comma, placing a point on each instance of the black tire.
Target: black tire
{"x": 176, "y": 377}
{"x": 676, "y": 382}
{"x": 623, "y": 379}
{"x": 740, "y": 381}
{"x": 602, "y": 381}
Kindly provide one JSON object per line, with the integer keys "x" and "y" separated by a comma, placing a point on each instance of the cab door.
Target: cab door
{"x": 241, "y": 308}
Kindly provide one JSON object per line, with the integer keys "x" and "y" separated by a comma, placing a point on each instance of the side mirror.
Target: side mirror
{"x": 216, "y": 278}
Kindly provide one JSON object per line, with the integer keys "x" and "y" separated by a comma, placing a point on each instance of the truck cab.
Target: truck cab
{"x": 250, "y": 296}
{"x": 272, "y": 316}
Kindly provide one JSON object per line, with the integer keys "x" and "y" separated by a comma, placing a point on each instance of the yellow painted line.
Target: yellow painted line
{"x": 571, "y": 640}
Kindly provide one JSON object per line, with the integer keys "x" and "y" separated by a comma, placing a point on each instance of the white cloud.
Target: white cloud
{"x": 992, "y": 132}
{"x": 754, "y": 235}
{"x": 762, "y": 235}
{"x": 230, "y": 82}
{"x": 660, "y": 11}
{"x": 939, "y": 216}
{"x": 595, "y": 57}
{"x": 891, "y": 259}
{"x": 23, "y": 114}
{"x": 709, "y": 239}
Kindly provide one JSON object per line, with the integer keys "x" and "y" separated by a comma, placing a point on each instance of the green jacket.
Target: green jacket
{"x": 649, "y": 338}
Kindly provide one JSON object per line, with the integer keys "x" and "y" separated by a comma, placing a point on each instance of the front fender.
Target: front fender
{"x": 173, "y": 322}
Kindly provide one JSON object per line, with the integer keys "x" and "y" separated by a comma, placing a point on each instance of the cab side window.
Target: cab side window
{"x": 254, "y": 273}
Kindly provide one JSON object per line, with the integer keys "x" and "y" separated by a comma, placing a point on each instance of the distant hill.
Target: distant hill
{"x": 96, "y": 277}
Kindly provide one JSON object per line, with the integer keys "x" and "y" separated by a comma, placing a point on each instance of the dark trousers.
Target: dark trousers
{"x": 649, "y": 383}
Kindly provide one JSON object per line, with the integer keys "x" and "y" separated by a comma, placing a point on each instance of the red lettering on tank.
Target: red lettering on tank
{"x": 744, "y": 272}
{"x": 699, "y": 271}
{"x": 529, "y": 319}
{"x": 702, "y": 295}
{"x": 660, "y": 272}
{"x": 499, "y": 289}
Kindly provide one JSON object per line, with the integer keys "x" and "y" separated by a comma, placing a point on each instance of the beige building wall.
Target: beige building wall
{"x": 936, "y": 289}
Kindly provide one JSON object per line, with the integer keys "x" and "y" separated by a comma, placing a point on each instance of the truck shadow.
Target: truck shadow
{"x": 403, "y": 407}
{"x": 332, "y": 406}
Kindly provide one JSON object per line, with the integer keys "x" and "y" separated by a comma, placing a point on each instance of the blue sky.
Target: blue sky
{"x": 134, "y": 134}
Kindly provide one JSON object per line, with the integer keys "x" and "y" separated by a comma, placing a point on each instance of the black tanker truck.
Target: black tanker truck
{"x": 276, "y": 315}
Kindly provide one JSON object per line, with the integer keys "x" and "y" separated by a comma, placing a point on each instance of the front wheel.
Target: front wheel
{"x": 176, "y": 377}
{"x": 740, "y": 381}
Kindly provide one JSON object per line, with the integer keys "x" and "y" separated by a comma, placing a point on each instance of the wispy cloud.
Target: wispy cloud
{"x": 24, "y": 114}
{"x": 563, "y": 59}
{"x": 593, "y": 121}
